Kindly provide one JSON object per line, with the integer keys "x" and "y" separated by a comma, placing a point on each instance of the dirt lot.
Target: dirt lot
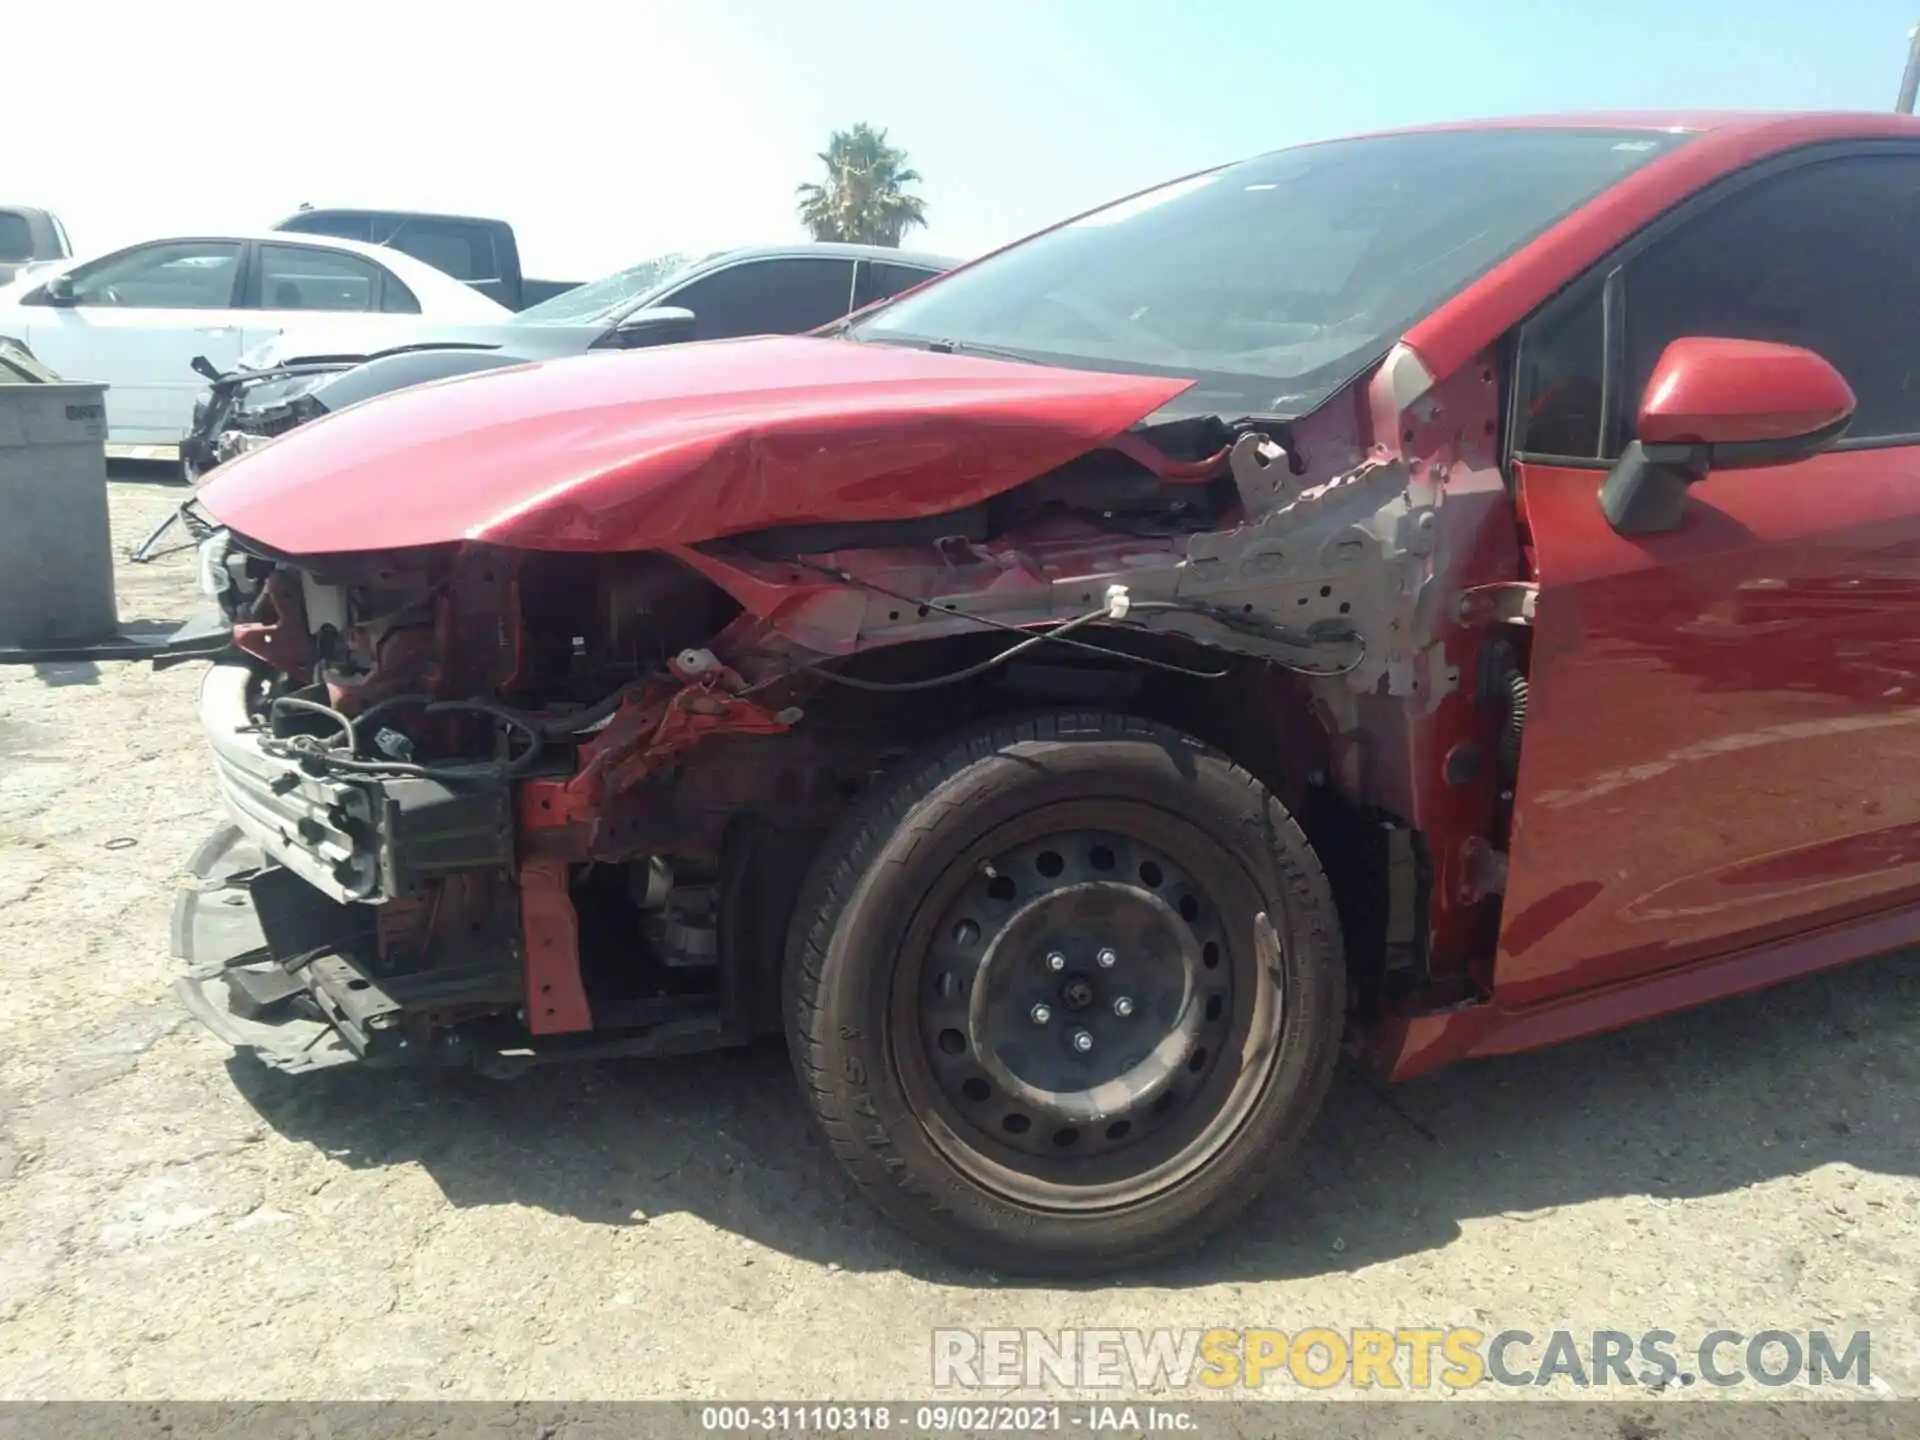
{"x": 175, "y": 1223}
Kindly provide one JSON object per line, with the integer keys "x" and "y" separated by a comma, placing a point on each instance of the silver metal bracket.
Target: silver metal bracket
{"x": 1510, "y": 602}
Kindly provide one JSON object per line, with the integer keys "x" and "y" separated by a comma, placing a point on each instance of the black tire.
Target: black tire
{"x": 869, "y": 926}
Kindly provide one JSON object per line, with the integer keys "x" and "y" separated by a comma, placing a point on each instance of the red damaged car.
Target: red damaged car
{"x": 1437, "y": 593}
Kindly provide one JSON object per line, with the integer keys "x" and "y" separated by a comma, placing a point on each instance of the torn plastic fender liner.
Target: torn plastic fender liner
{"x": 644, "y": 449}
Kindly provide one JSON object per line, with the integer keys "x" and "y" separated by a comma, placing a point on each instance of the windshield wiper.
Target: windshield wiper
{"x": 943, "y": 347}
{"x": 967, "y": 347}
{"x": 985, "y": 352}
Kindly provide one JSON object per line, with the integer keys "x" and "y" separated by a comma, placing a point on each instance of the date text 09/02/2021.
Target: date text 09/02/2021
{"x": 941, "y": 1419}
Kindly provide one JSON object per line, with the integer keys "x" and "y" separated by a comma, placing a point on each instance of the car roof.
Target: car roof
{"x": 1727, "y": 123}
{"x": 377, "y": 214}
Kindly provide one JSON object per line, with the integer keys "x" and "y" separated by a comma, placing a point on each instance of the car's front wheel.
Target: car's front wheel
{"x": 1064, "y": 992}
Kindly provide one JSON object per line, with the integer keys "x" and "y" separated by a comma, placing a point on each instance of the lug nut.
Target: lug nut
{"x": 1082, "y": 1041}
{"x": 1041, "y": 1014}
{"x": 1056, "y": 962}
{"x": 1123, "y": 1006}
{"x": 1107, "y": 959}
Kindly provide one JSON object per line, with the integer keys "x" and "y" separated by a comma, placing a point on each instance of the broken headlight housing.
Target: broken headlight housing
{"x": 215, "y": 579}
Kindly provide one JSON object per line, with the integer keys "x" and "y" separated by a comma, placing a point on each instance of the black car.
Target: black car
{"x": 768, "y": 290}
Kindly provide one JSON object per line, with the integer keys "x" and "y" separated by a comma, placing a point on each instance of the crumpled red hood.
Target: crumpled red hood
{"x": 641, "y": 449}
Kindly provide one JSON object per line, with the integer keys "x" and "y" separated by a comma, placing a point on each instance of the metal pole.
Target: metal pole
{"x": 1910, "y": 81}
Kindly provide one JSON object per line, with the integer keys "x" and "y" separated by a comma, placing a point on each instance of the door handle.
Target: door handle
{"x": 215, "y": 329}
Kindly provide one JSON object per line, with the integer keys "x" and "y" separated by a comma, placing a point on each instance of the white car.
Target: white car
{"x": 136, "y": 318}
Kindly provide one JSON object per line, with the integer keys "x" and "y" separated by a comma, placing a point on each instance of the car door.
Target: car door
{"x": 290, "y": 284}
{"x": 136, "y": 321}
{"x": 1723, "y": 724}
{"x": 778, "y": 295}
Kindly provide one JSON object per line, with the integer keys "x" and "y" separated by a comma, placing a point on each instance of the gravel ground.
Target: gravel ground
{"x": 176, "y": 1223}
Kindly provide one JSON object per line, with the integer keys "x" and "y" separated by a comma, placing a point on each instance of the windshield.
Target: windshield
{"x": 609, "y": 296}
{"x": 1273, "y": 281}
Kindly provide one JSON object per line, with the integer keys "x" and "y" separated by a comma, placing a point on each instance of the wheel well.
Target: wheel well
{"x": 1261, "y": 716}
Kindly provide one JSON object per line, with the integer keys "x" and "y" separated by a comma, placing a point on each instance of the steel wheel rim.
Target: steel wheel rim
{"x": 1145, "y": 1115}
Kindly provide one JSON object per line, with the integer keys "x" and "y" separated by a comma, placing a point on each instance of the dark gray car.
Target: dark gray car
{"x": 766, "y": 290}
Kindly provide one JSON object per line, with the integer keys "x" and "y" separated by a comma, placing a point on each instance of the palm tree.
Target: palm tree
{"x": 864, "y": 199}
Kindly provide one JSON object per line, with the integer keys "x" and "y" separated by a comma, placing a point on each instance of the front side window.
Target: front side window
{"x": 1826, "y": 256}
{"x": 767, "y": 297}
{"x": 1822, "y": 256}
{"x": 1274, "y": 281}
{"x": 176, "y": 275}
{"x": 300, "y": 277}
{"x": 1561, "y": 379}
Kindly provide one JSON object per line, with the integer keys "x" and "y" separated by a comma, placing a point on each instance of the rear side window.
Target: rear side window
{"x": 462, "y": 251}
{"x": 397, "y": 299}
{"x": 768, "y": 297}
{"x": 302, "y": 277}
{"x": 16, "y": 237}
{"x": 879, "y": 280}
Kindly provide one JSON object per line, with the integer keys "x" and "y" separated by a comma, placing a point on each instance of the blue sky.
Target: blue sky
{"x": 608, "y": 133}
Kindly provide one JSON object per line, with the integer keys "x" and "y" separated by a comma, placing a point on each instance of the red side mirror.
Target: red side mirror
{"x": 1742, "y": 392}
{"x": 1715, "y": 404}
